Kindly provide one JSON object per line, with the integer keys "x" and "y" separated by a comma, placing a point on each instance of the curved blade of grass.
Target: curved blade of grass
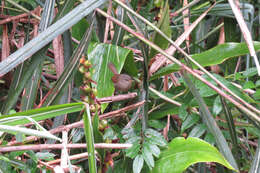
{"x": 211, "y": 123}
{"x": 41, "y": 113}
{"x": 49, "y": 34}
{"x": 32, "y": 132}
{"x": 88, "y": 129}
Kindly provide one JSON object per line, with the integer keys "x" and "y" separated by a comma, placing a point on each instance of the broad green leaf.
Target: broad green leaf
{"x": 138, "y": 163}
{"x": 213, "y": 56}
{"x": 100, "y": 56}
{"x": 40, "y": 114}
{"x": 182, "y": 153}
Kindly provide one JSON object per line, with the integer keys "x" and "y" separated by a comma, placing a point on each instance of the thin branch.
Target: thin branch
{"x": 61, "y": 146}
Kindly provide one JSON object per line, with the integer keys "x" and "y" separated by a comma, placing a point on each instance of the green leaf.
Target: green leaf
{"x": 189, "y": 121}
{"x": 138, "y": 163}
{"x": 45, "y": 156}
{"x": 153, "y": 148}
{"x": 79, "y": 29}
{"x": 257, "y": 83}
{"x": 32, "y": 132}
{"x": 148, "y": 157}
{"x": 40, "y": 114}
{"x": 198, "y": 130}
{"x": 164, "y": 111}
{"x": 134, "y": 150}
{"x": 100, "y": 56}
{"x": 257, "y": 94}
{"x": 157, "y": 124}
{"x": 98, "y": 136}
{"x": 213, "y": 56}
{"x": 205, "y": 90}
{"x": 182, "y": 153}
{"x": 183, "y": 113}
{"x": 88, "y": 129}
{"x": 234, "y": 89}
{"x": 217, "y": 107}
{"x": 249, "y": 85}
{"x": 250, "y": 72}
{"x": 157, "y": 141}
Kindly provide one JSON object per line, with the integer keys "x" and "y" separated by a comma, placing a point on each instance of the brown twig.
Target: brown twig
{"x": 120, "y": 111}
{"x": 18, "y": 17}
{"x": 117, "y": 98}
{"x": 73, "y": 157}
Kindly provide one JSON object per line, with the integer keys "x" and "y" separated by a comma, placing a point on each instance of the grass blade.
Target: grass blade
{"x": 88, "y": 129}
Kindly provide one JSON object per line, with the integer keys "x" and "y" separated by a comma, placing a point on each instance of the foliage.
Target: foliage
{"x": 193, "y": 104}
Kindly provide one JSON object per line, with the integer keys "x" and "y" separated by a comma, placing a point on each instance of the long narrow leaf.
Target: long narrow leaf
{"x": 41, "y": 113}
{"x": 88, "y": 129}
{"x": 15, "y": 129}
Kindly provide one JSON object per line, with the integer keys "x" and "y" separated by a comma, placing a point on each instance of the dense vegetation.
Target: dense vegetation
{"x": 191, "y": 103}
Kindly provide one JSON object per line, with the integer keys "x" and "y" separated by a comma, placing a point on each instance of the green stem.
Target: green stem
{"x": 89, "y": 139}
